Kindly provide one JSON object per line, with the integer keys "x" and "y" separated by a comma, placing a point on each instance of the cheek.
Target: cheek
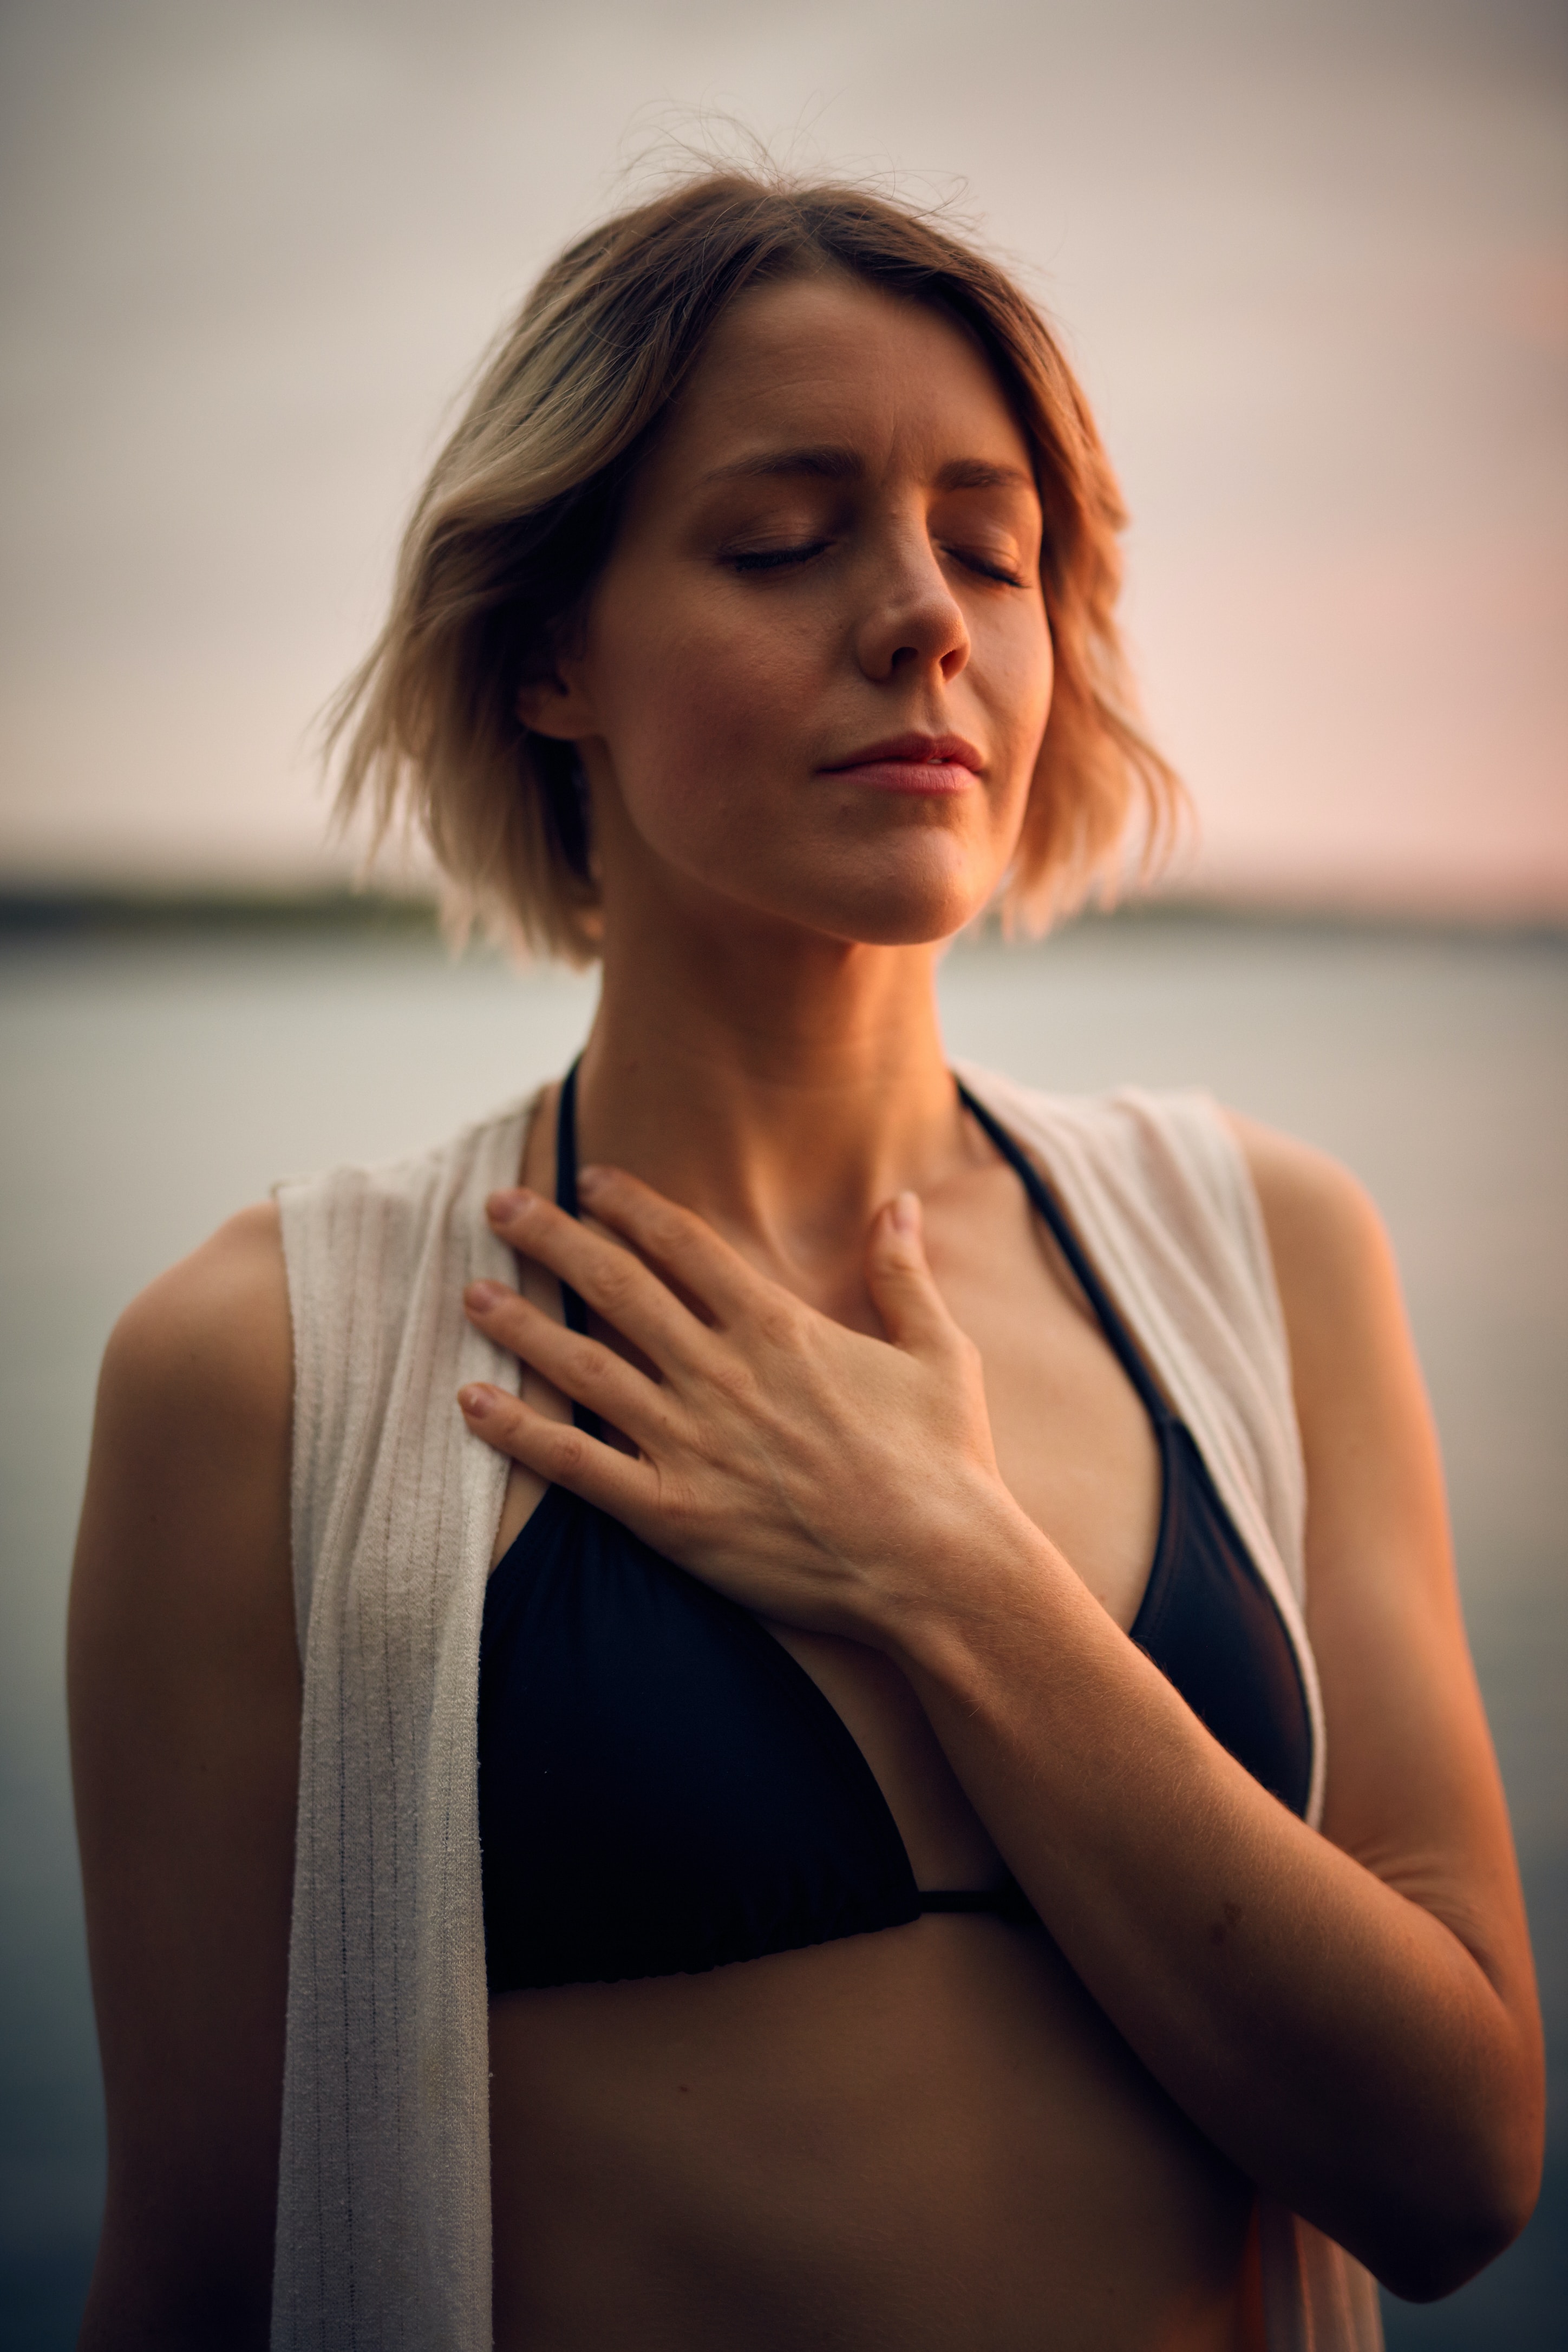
{"x": 1020, "y": 676}
{"x": 696, "y": 707}
{"x": 1024, "y": 672}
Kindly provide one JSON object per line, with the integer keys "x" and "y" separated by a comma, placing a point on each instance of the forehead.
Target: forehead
{"x": 827, "y": 358}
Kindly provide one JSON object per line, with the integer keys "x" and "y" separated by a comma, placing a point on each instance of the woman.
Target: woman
{"x": 955, "y": 1845}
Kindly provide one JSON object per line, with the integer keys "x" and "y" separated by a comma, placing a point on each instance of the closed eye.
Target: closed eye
{"x": 779, "y": 559}
{"x": 775, "y": 558}
{"x": 987, "y": 570}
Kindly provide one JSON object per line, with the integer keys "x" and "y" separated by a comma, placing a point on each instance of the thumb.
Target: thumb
{"x": 900, "y": 1279}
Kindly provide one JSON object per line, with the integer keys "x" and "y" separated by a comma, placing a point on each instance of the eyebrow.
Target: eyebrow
{"x": 828, "y": 463}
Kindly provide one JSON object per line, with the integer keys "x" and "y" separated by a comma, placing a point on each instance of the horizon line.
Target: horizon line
{"x": 39, "y": 910}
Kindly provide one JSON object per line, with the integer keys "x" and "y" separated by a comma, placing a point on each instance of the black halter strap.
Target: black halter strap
{"x": 1044, "y": 1201}
{"x": 1006, "y": 1902}
{"x": 573, "y": 1307}
{"x": 1041, "y": 1198}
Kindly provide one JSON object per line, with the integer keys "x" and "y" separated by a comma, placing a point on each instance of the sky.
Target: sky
{"x": 1311, "y": 258}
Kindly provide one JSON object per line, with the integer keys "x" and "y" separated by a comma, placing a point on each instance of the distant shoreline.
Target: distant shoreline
{"x": 51, "y": 913}
{"x": 29, "y": 914}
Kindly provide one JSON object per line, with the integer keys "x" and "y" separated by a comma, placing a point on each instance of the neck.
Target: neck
{"x": 783, "y": 1085}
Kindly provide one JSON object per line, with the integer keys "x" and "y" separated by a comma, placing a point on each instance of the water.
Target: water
{"x": 151, "y": 1085}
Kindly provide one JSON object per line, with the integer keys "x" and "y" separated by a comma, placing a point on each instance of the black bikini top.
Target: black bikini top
{"x": 663, "y": 1789}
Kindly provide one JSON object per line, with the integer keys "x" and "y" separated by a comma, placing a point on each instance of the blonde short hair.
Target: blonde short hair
{"x": 520, "y": 509}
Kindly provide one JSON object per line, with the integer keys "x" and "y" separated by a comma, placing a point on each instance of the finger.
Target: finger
{"x": 559, "y": 1452}
{"x": 912, "y": 1309}
{"x": 583, "y": 1370}
{"x": 628, "y": 1294}
{"x": 681, "y": 1244}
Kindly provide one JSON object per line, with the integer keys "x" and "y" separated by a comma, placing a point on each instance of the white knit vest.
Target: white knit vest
{"x": 383, "y": 2225}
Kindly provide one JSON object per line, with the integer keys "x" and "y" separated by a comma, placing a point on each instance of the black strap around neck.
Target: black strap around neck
{"x": 1118, "y": 1338}
{"x": 573, "y": 1307}
{"x": 1044, "y": 1201}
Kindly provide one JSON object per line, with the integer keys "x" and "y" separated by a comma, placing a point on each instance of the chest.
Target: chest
{"x": 1076, "y": 1449}
{"x": 1074, "y": 1441}
{"x": 1074, "y": 1444}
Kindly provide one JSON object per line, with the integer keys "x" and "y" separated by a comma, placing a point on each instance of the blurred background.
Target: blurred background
{"x": 1311, "y": 261}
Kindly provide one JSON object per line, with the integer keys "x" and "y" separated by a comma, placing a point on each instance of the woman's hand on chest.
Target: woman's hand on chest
{"x": 819, "y": 1476}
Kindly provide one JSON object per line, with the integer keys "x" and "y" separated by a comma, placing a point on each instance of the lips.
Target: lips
{"x": 912, "y": 763}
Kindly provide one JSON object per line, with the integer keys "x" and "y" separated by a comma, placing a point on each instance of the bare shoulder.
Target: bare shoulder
{"x": 210, "y": 1339}
{"x": 185, "y": 1521}
{"x": 1382, "y": 1605}
{"x": 1313, "y": 1207}
{"x": 1376, "y": 1513}
{"x": 1333, "y": 1260}
{"x": 185, "y": 1518}
{"x": 182, "y": 1586}
{"x": 184, "y": 1703}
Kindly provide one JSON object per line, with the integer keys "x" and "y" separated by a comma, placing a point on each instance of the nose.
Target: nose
{"x": 912, "y": 621}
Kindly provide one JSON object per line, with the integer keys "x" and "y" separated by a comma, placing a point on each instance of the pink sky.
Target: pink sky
{"x": 1314, "y": 270}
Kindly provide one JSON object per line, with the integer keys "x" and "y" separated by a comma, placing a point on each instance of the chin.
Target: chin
{"x": 911, "y": 901}
{"x": 906, "y": 930}
{"x": 885, "y": 900}
{"x": 908, "y": 918}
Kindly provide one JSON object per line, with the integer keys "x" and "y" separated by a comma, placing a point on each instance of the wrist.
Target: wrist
{"x": 986, "y": 1567}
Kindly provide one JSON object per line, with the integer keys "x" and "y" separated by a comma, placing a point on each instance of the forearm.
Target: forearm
{"x": 1335, "y": 2039}
{"x": 1372, "y": 2058}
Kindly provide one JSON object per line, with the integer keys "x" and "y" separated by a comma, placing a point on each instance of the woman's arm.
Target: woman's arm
{"x": 184, "y": 1704}
{"x": 1351, "y": 2016}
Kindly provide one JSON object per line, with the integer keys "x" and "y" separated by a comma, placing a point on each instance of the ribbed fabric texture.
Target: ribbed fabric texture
{"x": 384, "y": 2236}
{"x": 383, "y": 2192}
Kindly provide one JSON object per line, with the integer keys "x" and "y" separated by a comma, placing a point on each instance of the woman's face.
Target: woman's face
{"x": 815, "y": 674}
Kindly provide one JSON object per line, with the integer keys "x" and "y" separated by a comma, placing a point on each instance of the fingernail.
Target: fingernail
{"x": 906, "y": 1213}
{"x": 474, "y": 1402}
{"x": 590, "y": 1179}
{"x": 502, "y": 1206}
{"x": 482, "y": 1296}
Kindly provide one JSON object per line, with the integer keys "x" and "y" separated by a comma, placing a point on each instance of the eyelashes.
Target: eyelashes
{"x": 775, "y": 559}
{"x": 997, "y": 571}
{"x": 781, "y": 558}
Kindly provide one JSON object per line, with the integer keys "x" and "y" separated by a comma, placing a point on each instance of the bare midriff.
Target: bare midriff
{"x": 929, "y": 2140}
{"x": 926, "y": 2137}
